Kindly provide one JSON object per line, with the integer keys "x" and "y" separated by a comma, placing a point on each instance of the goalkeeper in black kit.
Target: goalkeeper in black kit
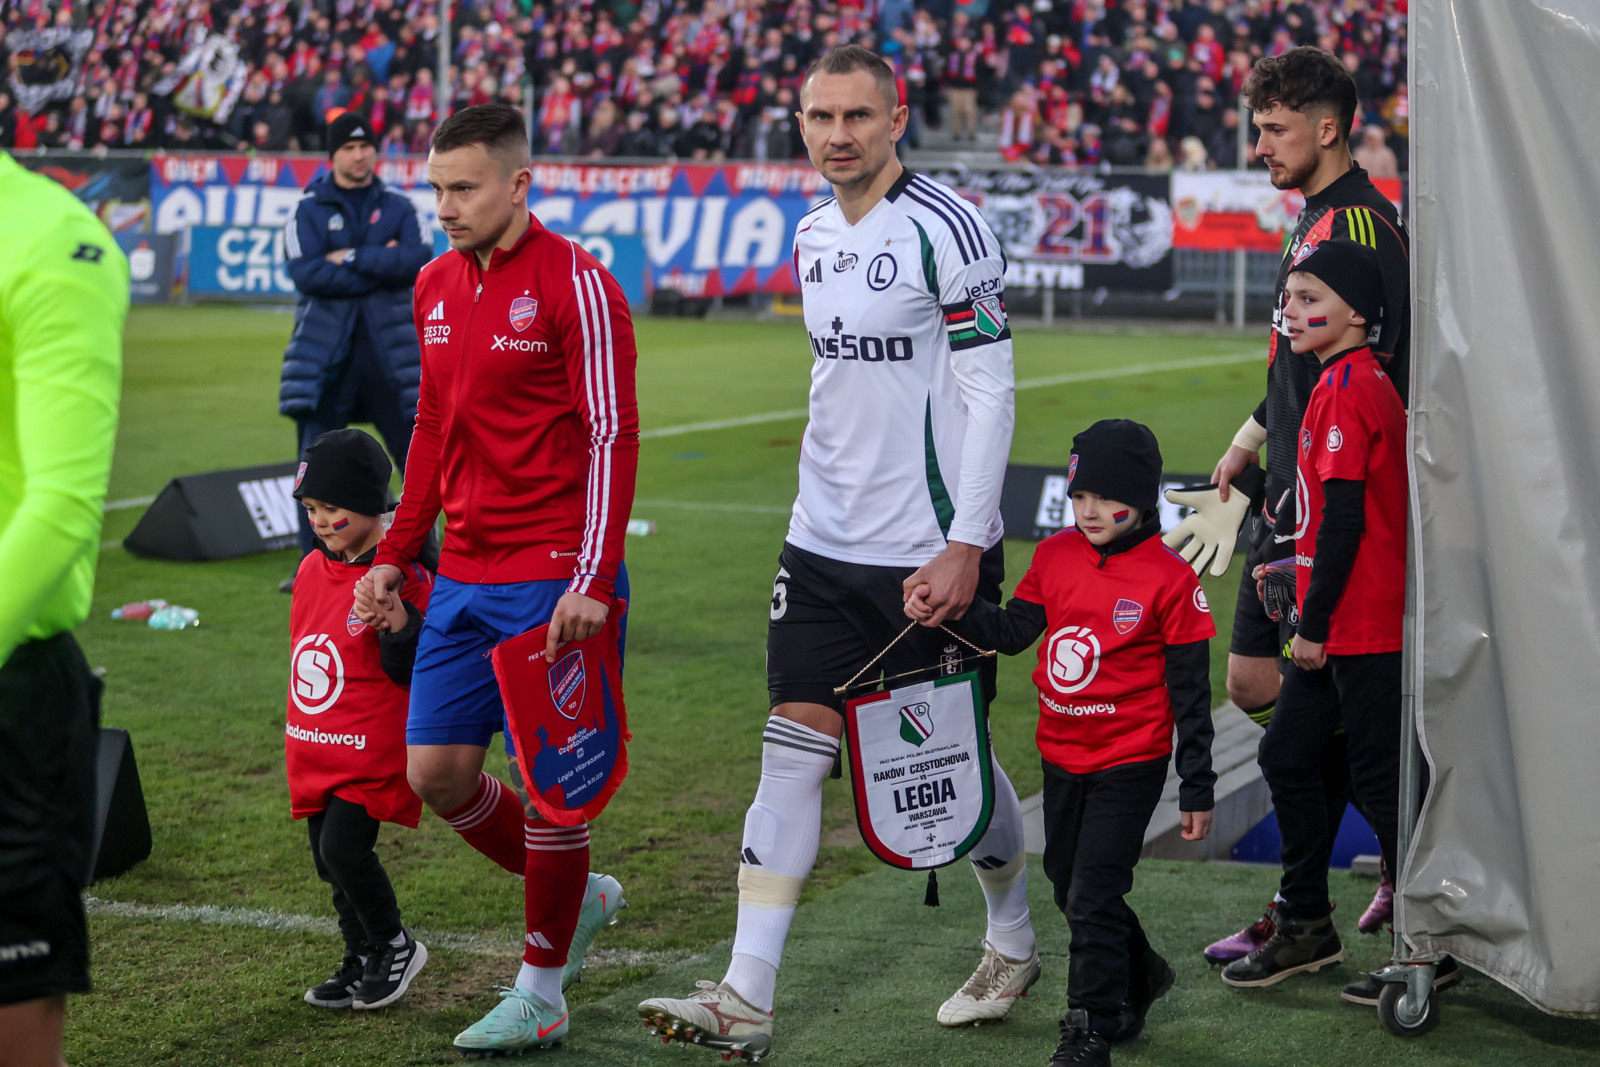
{"x": 1304, "y": 104}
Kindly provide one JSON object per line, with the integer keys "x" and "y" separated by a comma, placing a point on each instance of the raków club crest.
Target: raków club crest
{"x": 566, "y": 684}
{"x": 523, "y": 310}
{"x": 1125, "y": 615}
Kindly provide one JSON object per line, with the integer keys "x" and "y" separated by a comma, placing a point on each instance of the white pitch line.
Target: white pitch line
{"x": 266, "y": 919}
{"x": 756, "y": 509}
{"x": 1137, "y": 368}
{"x": 1103, "y": 374}
{"x": 723, "y": 424}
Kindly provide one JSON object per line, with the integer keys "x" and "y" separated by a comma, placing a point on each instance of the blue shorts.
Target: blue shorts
{"x": 455, "y": 699}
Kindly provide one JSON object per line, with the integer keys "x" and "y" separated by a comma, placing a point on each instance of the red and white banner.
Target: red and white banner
{"x": 1225, "y": 210}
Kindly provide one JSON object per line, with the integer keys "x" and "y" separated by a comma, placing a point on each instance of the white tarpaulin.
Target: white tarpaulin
{"x": 1504, "y": 871}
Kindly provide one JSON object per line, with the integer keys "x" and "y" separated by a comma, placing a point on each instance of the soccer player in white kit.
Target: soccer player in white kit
{"x": 911, "y": 415}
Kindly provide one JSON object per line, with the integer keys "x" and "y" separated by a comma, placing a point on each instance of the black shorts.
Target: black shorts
{"x": 830, "y": 618}
{"x": 49, "y": 718}
{"x": 1254, "y": 634}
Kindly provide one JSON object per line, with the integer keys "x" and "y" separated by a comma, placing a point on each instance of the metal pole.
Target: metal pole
{"x": 1049, "y": 305}
{"x": 441, "y": 75}
{"x": 1241, "y": 147}
{"x": 527, "y": 107}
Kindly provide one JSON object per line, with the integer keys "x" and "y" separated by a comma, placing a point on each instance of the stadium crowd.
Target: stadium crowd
{"x": 1066, "y": 82}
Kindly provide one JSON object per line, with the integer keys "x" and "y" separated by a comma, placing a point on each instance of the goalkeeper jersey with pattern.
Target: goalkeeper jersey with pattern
{"x": 1353, "y": 209}
{"x": 911, "y": 406}
{"x": 63, "y": 299}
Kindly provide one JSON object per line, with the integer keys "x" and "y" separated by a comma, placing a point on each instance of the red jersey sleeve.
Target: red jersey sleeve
{"x": 419, "y": 499}
{"x": 1185, "y": 612}
{"x": 1341, "y": 436}
{"x": 1029, "y": 588}
{"x": 597, "y": 340}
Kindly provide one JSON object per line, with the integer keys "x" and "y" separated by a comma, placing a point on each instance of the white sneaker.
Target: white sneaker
{"x": 992, "y": 990}
{"x": 715, "y": 1017}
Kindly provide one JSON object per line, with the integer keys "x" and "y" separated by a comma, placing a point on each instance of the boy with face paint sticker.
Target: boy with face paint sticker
{"x": 1350, "y": 546}
{"x": 1127, "y": 659}
{"x": 344, "y": 737}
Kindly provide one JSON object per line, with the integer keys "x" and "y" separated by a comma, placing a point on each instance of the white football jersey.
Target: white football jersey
{"x": 912, "y": 402}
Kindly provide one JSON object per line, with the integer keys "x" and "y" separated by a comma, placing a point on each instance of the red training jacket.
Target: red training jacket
{"x": 527, "y": 433}
{"x": 345, "y": 735}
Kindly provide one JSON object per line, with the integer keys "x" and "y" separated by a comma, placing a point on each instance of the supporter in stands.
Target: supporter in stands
{"x": 1374, "y": 153}
{"x": 1181, "y": 63}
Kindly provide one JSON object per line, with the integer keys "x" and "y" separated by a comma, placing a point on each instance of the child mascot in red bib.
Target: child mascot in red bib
{"x": 345, "y": 743}
{"x": 1125, "y": 660}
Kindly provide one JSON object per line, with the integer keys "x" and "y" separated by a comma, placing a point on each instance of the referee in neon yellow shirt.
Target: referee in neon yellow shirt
{"x": 63, "y": 299}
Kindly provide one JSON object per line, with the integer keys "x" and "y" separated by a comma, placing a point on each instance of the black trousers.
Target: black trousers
{"x": 1094, "y": 827}
{"x": 1298, "y": 754}
{"x": 341, "y": 844}
{"x": 49, "y": 727}
{"x": 359, "y": 390}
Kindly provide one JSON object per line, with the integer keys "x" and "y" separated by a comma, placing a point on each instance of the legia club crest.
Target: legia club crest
{"x": 916, "y": 723}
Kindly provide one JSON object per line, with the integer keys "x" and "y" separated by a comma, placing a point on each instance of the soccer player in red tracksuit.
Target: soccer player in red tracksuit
{"x": 345, "y": 738}
{"x": 1128, "y": 657}
{"x": 1350, "y": 581}
{"x": 527, "y": 438}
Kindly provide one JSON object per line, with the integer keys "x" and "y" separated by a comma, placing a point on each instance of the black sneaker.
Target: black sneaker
{"x": 338, "y": 991}
{"x": 1367, "y": 989}
{"x": 1130, "y": 1022}
{"x": 287, "y": 585}
{"x": 389, "y": 971}
{"x": 1080, "y": 1046}
{"x": 1298, "y": 945}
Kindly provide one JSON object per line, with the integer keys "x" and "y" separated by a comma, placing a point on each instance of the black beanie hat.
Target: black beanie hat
{"x": 345, "y": 468}
{"x": 349, "y": 126}
{"x": 1352, "y": 270}
{"x": 1119, "y": 460}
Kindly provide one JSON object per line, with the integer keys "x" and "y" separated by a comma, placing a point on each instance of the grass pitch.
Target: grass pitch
{"x": 867, "y": 965}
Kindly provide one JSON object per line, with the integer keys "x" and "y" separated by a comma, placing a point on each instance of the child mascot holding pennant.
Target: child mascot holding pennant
{"x": 1127, "y": 657}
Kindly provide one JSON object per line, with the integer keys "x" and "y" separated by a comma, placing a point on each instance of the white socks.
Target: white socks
{"x": 1001, "y": 866}
{"x": 781, "y": 831}
{"x": 542, "y": 982}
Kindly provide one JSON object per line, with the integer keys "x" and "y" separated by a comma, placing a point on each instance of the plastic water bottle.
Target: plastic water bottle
{"x": 174, "y": 617}
{"x": 139, "y": 609}
{"x": 641, "y": 527}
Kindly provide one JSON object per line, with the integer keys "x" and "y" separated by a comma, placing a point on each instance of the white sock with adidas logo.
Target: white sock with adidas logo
{"x": 1000, "y": 863}
{"x": 781, "y": 831}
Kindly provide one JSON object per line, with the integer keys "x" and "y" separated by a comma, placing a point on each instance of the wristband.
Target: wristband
{"x": 1251, "y": 436}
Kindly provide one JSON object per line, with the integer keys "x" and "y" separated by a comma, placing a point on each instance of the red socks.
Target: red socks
{"x": 492, "y": 823}
{"x": 553, "y": 859}
{"x": 557, "y": 877}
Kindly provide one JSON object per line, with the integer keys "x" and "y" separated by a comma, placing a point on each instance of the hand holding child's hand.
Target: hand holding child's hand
{"x": 917, "y": 608}
{"x": 370, "y": 607}
{"x": 1196, "y": 825}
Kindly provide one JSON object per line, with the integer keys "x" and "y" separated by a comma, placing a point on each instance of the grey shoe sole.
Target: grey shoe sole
{"x": 1440, "y": 982}
{"x": 1311, "y": 967}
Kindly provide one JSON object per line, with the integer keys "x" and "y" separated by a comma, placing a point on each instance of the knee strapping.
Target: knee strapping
{"x": 760, "y": 888}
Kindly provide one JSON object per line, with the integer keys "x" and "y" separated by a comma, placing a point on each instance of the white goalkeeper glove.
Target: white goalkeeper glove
{"x": 1209, "y": 534}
